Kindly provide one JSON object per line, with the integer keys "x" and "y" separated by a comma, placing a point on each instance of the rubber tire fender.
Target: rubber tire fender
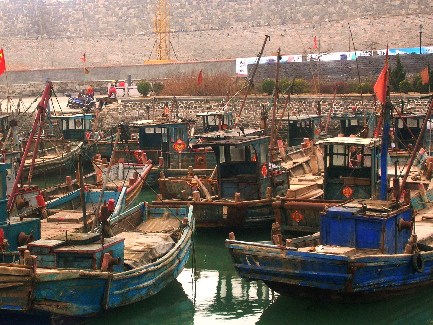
{"x": 418, "y": 262}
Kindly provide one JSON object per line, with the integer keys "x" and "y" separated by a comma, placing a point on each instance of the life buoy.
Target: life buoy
{"x": 418, "y": 262}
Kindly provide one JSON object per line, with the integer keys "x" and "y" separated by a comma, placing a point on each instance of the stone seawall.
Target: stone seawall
{"x": 129, "y": 110}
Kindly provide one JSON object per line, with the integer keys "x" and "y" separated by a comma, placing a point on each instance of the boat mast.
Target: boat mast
{"x": 38, "y": 122}
{"x": 384, "y": 151}
{"x": 82, "y": 192}
{"x": 250, "y": 84}
{"x": 274, "y": 108}
{"x": 104, "y": 183}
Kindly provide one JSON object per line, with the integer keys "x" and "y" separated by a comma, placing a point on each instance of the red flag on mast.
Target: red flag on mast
{"x": 200, "y": 78}
{"x": 2, "y": 62}
{"x": 425, "y": 78}
{"x": 381, "y": 85}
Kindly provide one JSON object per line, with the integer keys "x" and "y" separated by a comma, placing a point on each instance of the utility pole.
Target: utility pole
{"x": 420, "y": 38}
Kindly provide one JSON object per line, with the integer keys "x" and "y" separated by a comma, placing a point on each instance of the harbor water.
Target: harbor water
{"x": 209, "y": 291}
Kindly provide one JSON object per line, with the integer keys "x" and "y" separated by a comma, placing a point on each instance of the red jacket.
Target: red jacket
{"x": 112, "y": 91}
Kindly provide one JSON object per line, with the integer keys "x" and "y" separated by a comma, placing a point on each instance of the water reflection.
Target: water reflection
{"x": 414, "y": 308}
{"x": 170, "y": 306}
{"x": 223, "y": 296}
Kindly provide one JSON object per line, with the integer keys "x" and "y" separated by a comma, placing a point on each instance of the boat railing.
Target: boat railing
{"x": 116, "y": 217}
{"x": 121, "y": 202}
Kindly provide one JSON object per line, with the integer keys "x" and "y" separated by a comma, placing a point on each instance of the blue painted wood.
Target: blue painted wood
{"x": 90, "y": 256}
{"x": 16, "y": 226}
{"x": 342, "y": 226}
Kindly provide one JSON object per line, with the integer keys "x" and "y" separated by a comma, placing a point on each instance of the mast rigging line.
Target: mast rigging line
{"x": 356, "y": 61}
{"x": 251, "y": 79}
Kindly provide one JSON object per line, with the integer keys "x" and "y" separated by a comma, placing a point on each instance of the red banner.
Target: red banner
{"x": 2, "y": 62}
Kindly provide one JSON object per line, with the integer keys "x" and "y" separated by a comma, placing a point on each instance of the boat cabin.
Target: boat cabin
{"x": 73, "y": 127}
{"x": 359, "y": 124}
{"x": 77, "y": 251}
{"x": 4, "y": 123}
{"x": 162, "y": 139}
{"x": 216, "y": 121}
{"x": 367, "y": 224}
{"x": 406, "y": 129}
{"x": 243, "y": 167}
{"x": 217, "y": 125}
{"x": 351, "y": 167}
{"x": 296, "y": 128}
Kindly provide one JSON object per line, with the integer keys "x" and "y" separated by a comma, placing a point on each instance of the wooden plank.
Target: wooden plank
{"x": 159, "y": 225}
{"x": 68, "y": 216}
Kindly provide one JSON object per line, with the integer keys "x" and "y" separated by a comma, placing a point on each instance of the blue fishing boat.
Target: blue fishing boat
{"x": 130, "y": 256}
{"x": 366, "y": 248}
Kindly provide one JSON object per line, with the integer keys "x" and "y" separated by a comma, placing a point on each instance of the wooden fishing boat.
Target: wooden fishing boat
{"x": 247, "y": 184}
{"x": 85, "y": 273}
{"x": 113, "y": 176}
{"x": 118, "y": 174}
{"x": 69, "y": 207}
{"x": 56, "y": 265}
{"x": 55, "y": 156}
{"x": 350, "y": 171}
{"x": 365, "y": 249}
{"x": 48, "y": 147}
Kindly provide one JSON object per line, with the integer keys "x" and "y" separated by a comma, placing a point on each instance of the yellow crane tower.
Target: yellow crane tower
{"x": 162, "y": 30}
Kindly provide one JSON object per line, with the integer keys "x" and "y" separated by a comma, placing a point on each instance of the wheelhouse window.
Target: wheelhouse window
{"x": 349, "y": 155}
{"x": 229, "y": 154}
{"x": 337, "y": 155}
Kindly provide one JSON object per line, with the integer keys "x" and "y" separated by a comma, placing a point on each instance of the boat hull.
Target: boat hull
{"x": 228, "y": 214}
{"x": 330, "y": 276}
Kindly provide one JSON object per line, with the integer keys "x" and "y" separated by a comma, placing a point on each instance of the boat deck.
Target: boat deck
{"x": 151, "y": 241}
{"x": 64, "y": 221}
{"x": 143, "y": 248}
{"x": 424, "y": 225}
